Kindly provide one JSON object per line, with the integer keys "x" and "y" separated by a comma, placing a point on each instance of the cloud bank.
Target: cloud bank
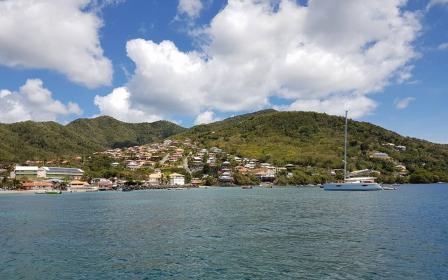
{"x": 324, "y": 57}
{"x": 33, "y": 102}
{"x": 56, "y": 35}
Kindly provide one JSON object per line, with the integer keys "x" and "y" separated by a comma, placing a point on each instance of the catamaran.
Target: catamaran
{"x": 355, "y": 183}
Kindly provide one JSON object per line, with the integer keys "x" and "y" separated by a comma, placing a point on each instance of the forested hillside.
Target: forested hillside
{"x": 301, "y": 138}
{"x": 49, "y": 140}
{"x": 315, "y": 139}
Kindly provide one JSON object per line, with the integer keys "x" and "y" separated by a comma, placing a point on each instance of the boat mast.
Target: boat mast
{"x": 345, "y": 147}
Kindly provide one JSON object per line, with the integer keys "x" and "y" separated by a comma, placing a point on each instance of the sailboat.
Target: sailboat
{"x": 355, "y": 183}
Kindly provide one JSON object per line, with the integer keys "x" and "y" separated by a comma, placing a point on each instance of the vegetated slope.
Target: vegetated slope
{"x": 315, "y": 139}
{"x": 109, "y": 132}
{"x": 49, "y": 140}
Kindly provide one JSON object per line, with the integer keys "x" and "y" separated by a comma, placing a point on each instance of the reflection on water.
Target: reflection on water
{"x": 227, "y": 233}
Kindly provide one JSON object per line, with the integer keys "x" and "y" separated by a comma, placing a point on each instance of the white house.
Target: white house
{"x": 155, "y": 179}
{"x": 80, "y": 186}
{"x": 133, "y": 165}
{"x": 380, "y": 155}
{"x": 177, "y": 179}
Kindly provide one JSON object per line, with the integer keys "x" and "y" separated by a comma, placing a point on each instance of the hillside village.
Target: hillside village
{"x": 264, "y": 147}
{"x": 175, "y": 163}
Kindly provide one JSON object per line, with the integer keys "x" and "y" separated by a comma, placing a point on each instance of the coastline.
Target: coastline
{"x": 17, "y": 192}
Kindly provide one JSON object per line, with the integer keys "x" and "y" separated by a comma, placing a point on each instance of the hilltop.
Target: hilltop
{"x": 46, "y": 140}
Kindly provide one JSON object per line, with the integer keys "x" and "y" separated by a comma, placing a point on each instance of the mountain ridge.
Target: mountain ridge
{"x": 302, "y": 138}
{"x": 44, "y": 140}
{"x": 316, "y": 139}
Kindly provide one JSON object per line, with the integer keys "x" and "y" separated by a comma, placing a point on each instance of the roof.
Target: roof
{"x": 155, "y": 176}
{"x": 76, "y": 182}
{"x": 63, "y": 170}
{"x": 37, "y": 184}
{"x": 105, "y": 183}
{"x": 176, "y": 175}
{"x": 26, "y": 168}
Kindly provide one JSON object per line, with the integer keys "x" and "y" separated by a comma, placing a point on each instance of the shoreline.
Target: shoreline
{"x": 33, "y": 192}
{"x": 17, "y": 192}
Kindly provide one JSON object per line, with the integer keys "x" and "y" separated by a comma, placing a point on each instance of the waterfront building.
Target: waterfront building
{"x": 155, "y": 179}
{"x": 226, "y": 176}
{"x": 196, "y": 182}
{"x": 60, "y": 172}
{"x": 80, "y": 186}
{"x": 37, "y": 185}
{"x": 102, "y": 184}
{"x": 21, "y": 172}
{"x": 177, "y": 179}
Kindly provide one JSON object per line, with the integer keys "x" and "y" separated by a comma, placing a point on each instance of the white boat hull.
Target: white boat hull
{"x": 352, "y": 187}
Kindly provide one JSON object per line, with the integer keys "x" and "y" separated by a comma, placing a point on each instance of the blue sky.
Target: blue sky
{"x": 198, "y": 61}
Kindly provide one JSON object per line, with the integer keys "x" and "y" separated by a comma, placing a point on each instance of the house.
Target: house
{"x": 102, "y": 184}
{"x": 177, "y": 179}
{"x": 196, "y": 182}
{"x": 250, "y": 165}
{"x": 155, "y": 179}
{"x": 226, "y": 176}
{"x": 24, "y": 172}
{"x": 242, "y": 169}
{"x": 37, "y": 185}
{"x": 80, "y": 186}
{"x": 60, "y": 172}
{"x": 358, "y": 173}
{"x": 379, "y": 155}
{"x": 265, "y": 174}
{"x": 133, "y": 165}
{"x": 290, "y": 166}
{"x": 216, "y": 150}
{"x": 401, "y": 148}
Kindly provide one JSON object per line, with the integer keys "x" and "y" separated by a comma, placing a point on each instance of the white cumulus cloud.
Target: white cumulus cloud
{"x": 206, "y": 117}
{"x": 403, "y": 103}
{"x": 191, "y": 8}
{"x": 433, "y": 3}
{"x": 116, "y": 105}
{"x": 56, "y": 35}
{"x": 324, "y": 56}
{"x": 33, "y": 102}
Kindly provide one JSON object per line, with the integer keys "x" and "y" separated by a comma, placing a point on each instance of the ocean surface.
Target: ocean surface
{"x": 227, "y": 233}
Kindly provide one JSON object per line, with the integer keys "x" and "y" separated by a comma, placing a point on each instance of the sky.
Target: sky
{"x": 199, "y": 61}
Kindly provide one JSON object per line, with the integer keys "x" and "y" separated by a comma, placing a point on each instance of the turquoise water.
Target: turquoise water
{"x": 227, "y": 233}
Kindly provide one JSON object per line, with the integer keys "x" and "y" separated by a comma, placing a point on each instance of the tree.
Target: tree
{"x": 210, "y": 181}
{"x": 421, "y": 177}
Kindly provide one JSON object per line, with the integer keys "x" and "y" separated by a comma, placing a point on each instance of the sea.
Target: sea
{"x": 227, "y": 233}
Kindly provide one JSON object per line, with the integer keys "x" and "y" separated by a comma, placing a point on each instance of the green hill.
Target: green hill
{"x": 302, "y": 138}
{"x": 314, "y": 139}
{"x": 46, "y": 140}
